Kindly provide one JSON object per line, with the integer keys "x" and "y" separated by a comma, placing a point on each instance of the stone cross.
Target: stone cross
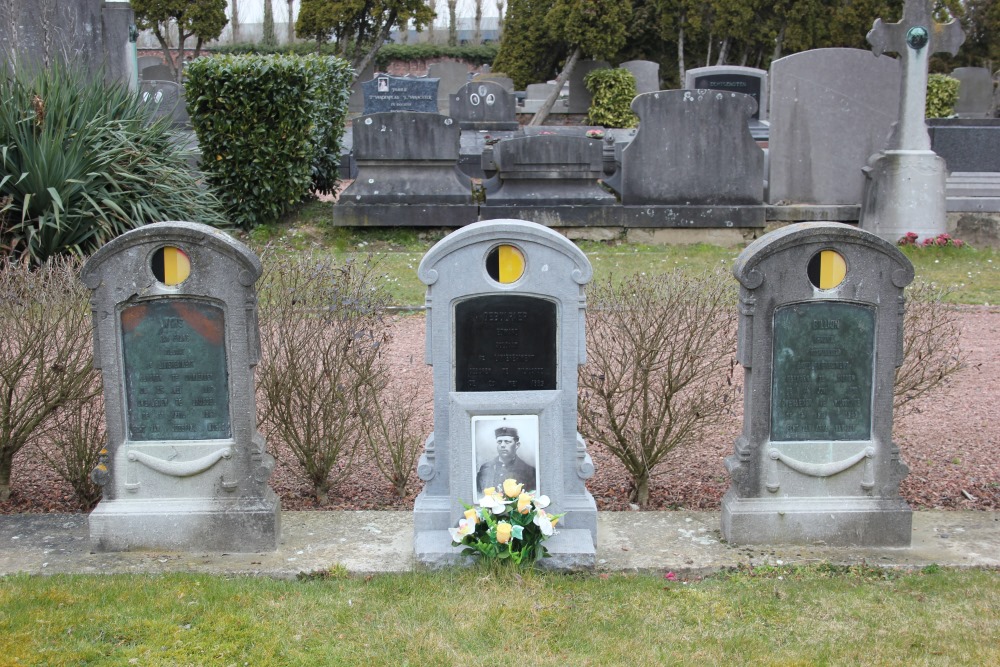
{"x": 914, "y": 38}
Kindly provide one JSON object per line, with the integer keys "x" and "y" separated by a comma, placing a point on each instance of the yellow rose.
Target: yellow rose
{"x": 524, "y": 503}
{"x": 490, "y": 491}
{"x": 472, "y": 516}
{"x": 512, "y": 488}
{"x": 503, "y": 532}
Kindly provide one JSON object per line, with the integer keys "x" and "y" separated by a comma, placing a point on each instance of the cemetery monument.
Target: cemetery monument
{"x": 176, "y": 339}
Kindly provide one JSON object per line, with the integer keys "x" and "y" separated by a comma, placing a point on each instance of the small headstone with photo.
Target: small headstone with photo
{"x": 167, "y": 99}
{"x": 505, "y": 337}
{"x": 502, "y": 79}
{"x": 176, "y": 340}
{"x": 483, "y": 105}
{"x": 400, "y": 93}
{"x": 820, "y": 337}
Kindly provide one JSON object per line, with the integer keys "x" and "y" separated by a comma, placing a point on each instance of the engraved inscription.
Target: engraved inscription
{"x": 821, "y": 386}
{"x": 176, "y": 382}
{"x": 505, "y": 343}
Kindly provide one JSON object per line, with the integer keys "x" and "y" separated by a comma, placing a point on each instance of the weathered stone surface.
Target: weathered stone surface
{"x": 967, "y": 145}
{"x": 452, "y": 76}
{"x": 830, "y": 109}
{"x": 815, "y": 461}
{"x": 646, "y": 73}
{"x": 975, "y": 92}
{"x": 483, "y": 105}
{"x": 185, "y": 466}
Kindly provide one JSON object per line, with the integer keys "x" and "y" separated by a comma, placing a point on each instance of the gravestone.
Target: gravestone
{"x": 535, "y": 95}
{"x": 142, "y": 62}
{"x": 646, "y": 73}
{"x": 452, "y": 75}
{"x": 159, "y": 72}
{"x": 505, "y": 337}
{"x": 407, "y": 173}
{"x": 551, "y": 179}
{"x": 484, "y": 105}
{"x": 975, "y": 92}
{"x": 820, "y": 338}
{"x": 167, "y": 98}
{"x": 502, "y": 79}
{"x": 731, "y": 78}
{"x": 175, "y": 337}
{"x": 830, "y": 110}
{"x": 905, "y": 183}
{"x": 356, "y": 103}
{"x": 692, "y": 162}
{"x": 400, "y": 93}
{"x": 579, "y": 96}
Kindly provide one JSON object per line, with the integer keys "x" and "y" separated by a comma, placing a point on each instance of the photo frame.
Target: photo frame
{"x": 495, "y": 458}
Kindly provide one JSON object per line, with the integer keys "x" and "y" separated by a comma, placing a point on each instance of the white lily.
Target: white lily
{"x": 465, "y": 527}
{"x": 544, "y": 523}
{"x": 541, "y": 502}
{"x": 494, "y": 503}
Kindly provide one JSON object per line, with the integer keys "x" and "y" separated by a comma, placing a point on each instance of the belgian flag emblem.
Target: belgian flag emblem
{"x": 171, "y": 266}
{"x": 827, "y": 269}
{"x": 505, "y": 264}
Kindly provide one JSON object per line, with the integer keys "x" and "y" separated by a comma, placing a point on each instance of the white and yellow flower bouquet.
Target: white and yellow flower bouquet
{"x": 510, "y": 523}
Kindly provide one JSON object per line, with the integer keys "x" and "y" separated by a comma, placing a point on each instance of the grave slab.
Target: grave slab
{"x": 385, "y": 93}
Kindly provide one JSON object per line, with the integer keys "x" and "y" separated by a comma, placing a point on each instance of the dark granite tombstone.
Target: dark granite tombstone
{"x": 398, "y": 93}
{"x": 167, "y": 98}
{"x": 484, "y": 105}
{"x": 505, "y": 337}
{"x": 407, "y": 173}
{"x": 820, "y": 338}
{"x": 159, "y": 72}
{"x": 730, "y": 78}
{"x": 692, "y": 162}
{"x": 176, "y": 339}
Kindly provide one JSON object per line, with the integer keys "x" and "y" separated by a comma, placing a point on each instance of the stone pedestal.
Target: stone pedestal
{"x": 905, "y": 192}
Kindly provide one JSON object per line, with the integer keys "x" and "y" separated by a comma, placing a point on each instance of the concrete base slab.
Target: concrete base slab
{"x": 847, "y": 522}
{"x": 404, "y": 215}
{"x": 232, "y": 526}
{"x": 589, "y": 215}
{"x": 715, "y": 236}
{"x": 570, "y": 550}
{"x": 813, "y": 213}
{"x": 670, "y": 215}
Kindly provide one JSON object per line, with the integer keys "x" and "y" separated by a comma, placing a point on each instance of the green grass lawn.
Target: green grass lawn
{"x": 775, "y": 616}
{"x": 972, "y": 274}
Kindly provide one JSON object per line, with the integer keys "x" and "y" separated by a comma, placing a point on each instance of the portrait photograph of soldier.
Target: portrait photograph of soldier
{"x": 506, "y": 448}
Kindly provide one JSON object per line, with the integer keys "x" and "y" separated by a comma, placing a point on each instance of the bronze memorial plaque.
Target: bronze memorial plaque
{"x": 176, "y": 381}
{"x": 505, "y": 342}
{"x": 821, "y": 382}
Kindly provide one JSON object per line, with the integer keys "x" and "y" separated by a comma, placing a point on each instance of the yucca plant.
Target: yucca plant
{"x": 83, "y": 162}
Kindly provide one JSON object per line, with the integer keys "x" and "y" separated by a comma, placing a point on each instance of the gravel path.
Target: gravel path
{"x": 950, "y": 441}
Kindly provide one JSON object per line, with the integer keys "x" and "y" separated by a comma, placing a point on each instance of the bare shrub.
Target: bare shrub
{"x": 322, "y": 327}
{"x": 931, "y": 345}
{"x": 46, "y": 352}
{"x": 391, "y": 428}
{"x": 659, "y": 366}
{"x": 76, "y": 441}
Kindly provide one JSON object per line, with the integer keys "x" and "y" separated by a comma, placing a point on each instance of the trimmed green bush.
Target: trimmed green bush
{"x": 613, "y": 91}
{"x": 482, "y": 54}
{"x": 83, "y": 162}
{"x": 942, "y": 93}
{"x": 269, "y": 128}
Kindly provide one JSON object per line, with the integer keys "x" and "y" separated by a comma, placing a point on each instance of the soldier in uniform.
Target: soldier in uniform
{"x": 507, "y": 465}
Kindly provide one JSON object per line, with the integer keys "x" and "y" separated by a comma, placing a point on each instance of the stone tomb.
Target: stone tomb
{"x": 820, "y": 338}
{"x": 407, "y": 173}
{"x": 400, "y": 93}
{"x": 692, "y": 162}
{"x": 175, "y": 337}
{"x": 550, "y": 178}
{"x": 505, "y": 336}
{"x": 734, "y": 79}
{"x": 484, "y": 105}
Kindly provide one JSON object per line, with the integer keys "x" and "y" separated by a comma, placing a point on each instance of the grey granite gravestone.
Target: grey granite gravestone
{"x": 407, "y": 173}
{"x": 142, "y": 62}
{"x": 167, "y": 98}
{"x": 830, "y": 109}
{"x": 535, "y": 95}
{"x": 966, "y": 144}
{"x": 905, "y": 182}
{"x": 975, "y": 92}
{"x": 356, "y": 103}
{"x": 734, "y": 79}
{"x": 452, "y": 75}
{"x": 502, "y": 79}
{"x": 175, "y": 337}
{"x": 820, "y": 338}
{"x": 484, "y": 105}
{"x": 505, "y": 346}
{"x": 579, "y": 96}
{"x": 400, "y": 93}
{"x": 552, "y": 179}
{"x": 158, "y": 72}
{"x": 692, "y": 162}
{"x": 646, "y": 73}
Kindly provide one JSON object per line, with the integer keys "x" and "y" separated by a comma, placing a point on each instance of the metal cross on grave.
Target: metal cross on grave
{"x": 914, "y": 38}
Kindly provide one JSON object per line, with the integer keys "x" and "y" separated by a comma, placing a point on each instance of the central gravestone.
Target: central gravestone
{"x": 820, "y": 338}
{"x": 175, "y": 336}
{"x": 505, "y": 335}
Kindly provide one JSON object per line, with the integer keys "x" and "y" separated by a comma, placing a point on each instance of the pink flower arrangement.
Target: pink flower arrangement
{"x": 940, "y": 241}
